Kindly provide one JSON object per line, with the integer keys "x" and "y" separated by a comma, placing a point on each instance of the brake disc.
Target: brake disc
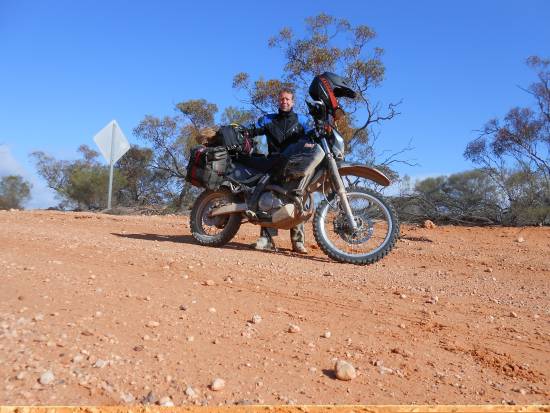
{"x": 361, "y": 234}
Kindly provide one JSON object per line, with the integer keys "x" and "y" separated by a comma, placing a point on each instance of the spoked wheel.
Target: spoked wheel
{"x": 377, "y": 227}
{"x": 213, "y": 231}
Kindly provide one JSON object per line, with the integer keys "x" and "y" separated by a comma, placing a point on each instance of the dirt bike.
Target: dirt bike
{"x": 351, "y": 224}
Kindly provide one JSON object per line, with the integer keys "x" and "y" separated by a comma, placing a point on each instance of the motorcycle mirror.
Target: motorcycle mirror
{"x": 316, "y": 109}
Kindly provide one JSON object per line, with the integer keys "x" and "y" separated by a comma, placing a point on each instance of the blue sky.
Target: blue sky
{"x": 69, "y": 67}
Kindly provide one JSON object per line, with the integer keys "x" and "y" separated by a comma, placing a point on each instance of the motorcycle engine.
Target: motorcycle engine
{"x": 269, "y": 201}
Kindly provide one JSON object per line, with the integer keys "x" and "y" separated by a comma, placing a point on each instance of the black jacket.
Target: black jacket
{"x": 281, "y": 129}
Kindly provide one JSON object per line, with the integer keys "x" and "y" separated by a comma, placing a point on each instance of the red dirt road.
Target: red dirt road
{"x": 121, "y": 308}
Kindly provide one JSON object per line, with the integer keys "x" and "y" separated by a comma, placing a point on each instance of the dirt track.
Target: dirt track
{"x": 121, "y": 307}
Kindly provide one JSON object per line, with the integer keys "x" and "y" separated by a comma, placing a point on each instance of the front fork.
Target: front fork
{"x": 338, "y": 184}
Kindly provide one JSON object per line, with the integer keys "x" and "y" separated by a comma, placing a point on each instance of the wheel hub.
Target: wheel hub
{"x": 216, "y": 221}
{"x": 361, "y": 234}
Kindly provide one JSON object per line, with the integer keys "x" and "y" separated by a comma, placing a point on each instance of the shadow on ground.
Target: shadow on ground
{"x": 188, "y": 239}
{"x": 331, "y": 374}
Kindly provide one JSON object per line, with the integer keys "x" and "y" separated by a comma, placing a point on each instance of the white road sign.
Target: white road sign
{"x": 111, "y": 139}
{"x": 113, "y": 144}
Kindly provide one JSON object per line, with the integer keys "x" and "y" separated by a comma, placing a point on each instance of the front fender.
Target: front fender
{"x": 363, "y": 171}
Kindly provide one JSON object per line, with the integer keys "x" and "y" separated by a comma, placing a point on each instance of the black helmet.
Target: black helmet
{"x": 327, "y": 88}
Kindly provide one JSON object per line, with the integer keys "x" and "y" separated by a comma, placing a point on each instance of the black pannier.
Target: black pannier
{"x": 234, "y": 138}
{"x": 207, "y": 166}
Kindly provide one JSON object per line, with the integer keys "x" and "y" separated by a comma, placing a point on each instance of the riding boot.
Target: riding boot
{"x": 297, "y": 236}
{"x": 265, "y": 241}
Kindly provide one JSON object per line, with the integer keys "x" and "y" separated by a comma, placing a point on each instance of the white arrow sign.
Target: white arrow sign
{"x": 113, "y": 145}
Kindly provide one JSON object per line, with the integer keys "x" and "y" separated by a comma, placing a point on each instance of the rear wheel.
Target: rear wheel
{"x": 213, "y": 231}
{"x": 376, "y": 233}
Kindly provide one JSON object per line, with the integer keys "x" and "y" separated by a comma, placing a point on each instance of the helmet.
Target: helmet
{"x": 327, "y": 88}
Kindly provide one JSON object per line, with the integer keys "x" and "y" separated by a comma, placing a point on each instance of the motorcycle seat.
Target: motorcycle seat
{"x": 261, "y": 163}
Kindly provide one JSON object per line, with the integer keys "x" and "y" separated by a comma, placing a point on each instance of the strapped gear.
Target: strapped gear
{"x": 233, "y": 137}
{"x": 207, "y": 166}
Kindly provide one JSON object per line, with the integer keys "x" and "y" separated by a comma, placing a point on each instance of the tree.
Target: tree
{"x": 262, "y": 94}
{"x": 232, "y": 114}
{"x": 334, "y": 45}
{"x": 53, "y": 171}
{"x": 515, "y": 151}
{"x": 529, "y": 198}
{"x": 171, "y": 139}
{"x": 197, "y": 115}
{"x": 88, "y": 186}
{"x": 465, "y": 197}
{"x": 469, "y": 197}
{"x": 14, "y": 192}
{"x": 82, "y": 183}
{"x": 144, "y": 185}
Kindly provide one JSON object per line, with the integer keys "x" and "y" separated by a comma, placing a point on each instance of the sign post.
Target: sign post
{"x": 113, "y": 145}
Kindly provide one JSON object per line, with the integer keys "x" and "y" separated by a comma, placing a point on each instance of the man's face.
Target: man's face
{"x": 286, "y": 101}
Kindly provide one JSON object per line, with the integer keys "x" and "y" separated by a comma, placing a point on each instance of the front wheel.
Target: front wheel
{"x": 377, "y": 227}
{"x": 213, "y": 231}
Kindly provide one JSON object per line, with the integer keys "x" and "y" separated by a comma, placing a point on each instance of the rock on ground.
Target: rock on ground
{"x": 344, "y": 370}
{"x": 190, "y": 392}
{"x": 166, "y": 402}
{"x": 293, "y": 328}
{"x": 428, "y": 224}
{"x": 47, "y": 378}
{"x": 217, "y": 384}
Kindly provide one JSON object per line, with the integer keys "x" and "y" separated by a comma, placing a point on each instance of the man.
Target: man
{"x": 281, "y": 130}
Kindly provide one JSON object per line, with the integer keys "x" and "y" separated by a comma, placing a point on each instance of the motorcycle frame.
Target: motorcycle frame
{"x": 330, "y": 173}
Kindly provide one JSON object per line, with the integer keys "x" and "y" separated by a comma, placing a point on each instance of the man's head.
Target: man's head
{"x": 286, "y": 100}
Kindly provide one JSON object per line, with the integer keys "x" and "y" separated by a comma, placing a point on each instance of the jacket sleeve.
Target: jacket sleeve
{"x": 258, "y": 128}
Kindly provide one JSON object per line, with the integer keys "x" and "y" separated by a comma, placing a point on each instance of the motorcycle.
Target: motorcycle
{"x": 353, "y": 224}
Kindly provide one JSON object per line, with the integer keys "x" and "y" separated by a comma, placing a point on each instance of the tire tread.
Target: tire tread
{"x": 369, "y": 259}
{"x": 226, "y": 235}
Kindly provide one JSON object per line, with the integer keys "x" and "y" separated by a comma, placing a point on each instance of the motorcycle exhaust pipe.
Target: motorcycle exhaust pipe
{"x": 284, "y": 213}
{"x": 228, "y": 209}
